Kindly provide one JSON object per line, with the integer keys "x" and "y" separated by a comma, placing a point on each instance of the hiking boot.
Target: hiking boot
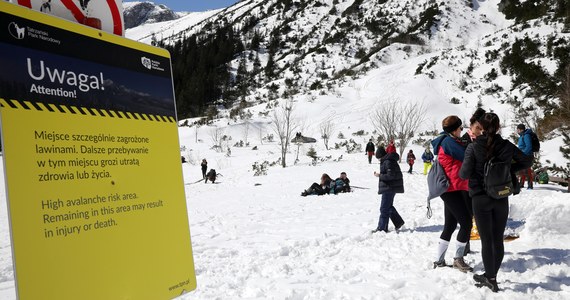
{"x": 482, "y": 280}
{"x": 439, "y": 264}
{"x": 459, "y": 263}
{"x": 304, "y": 194}
{"x": 377, "y": 230}
{"x": 400, "y": 226}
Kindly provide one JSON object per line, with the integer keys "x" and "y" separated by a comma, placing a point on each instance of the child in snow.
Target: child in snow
{"x": 427, "y": 157}
{"x": 411, "y": 158}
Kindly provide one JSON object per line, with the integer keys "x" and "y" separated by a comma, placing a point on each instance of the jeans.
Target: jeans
{"x": 491, "y": 218}
{"x": 388, "y": 211}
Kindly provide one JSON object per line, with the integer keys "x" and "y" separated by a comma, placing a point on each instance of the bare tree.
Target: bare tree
{"x": 564, "y": 110}
{"x": 412, "y": 115}
{"x": 384, "y": 120}
{"x": 284, "y": 125}
{"x": 327, "y": 128}
{"x": 217, "y": 135}
{"x": 398, "y": 120}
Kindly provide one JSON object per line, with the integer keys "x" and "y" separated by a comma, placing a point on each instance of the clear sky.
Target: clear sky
{"x": 193, "y": 5}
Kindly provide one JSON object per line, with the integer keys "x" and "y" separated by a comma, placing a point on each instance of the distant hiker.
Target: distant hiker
{"x": 525, "y": 145}
{"x": 427, "y": 158}
{"x": 390, "y": 182}
{"x": 204, "y": 166}
{"x": 183, "y": 159}
{"x": 380, "y": 151}
{"x": 342, "y": 184}
{"x": 370, "y": 150}
{"x": 411, "y": 158}
{"x": 391, "y": 147}
{"x": 450, "y": 153}
{"x": 324, "y": 187}
{"x": 211, "y": 176}
{"x": 490, "y": 214}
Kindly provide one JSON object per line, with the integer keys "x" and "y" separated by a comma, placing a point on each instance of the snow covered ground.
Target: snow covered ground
{"x": 257, "y": 238}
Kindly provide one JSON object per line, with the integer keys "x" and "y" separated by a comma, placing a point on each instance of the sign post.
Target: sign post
{"x": 92, "y": 164}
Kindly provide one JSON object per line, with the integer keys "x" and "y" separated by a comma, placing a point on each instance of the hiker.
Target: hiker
{"x": 183, "y": 159}
{"x": 211, "y": 176}
{"x": 451, "y": 151}
{"x": 204, "y": 166}
{"x": 411, "y": 158}
{"x": 490, "y": 214}
{"x": 342, "y": 184}
{"x": 322, "y": 188}
{"x": 370, "y": 150}
{"x": 390, "y": 182}
{"x": 473, "y": 132}
{"x": 427, "y": 158}
{"x": 380, "y": 151}
{"x": 475, "y": 128}
{"x": 525, "y": 145}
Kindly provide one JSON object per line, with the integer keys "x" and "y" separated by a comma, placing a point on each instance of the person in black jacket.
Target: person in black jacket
{"x": 390, "y": 182}
{"x": 204, "y": 166}
{"x": 490, "y": 214}
{"x": 370, "y": 150}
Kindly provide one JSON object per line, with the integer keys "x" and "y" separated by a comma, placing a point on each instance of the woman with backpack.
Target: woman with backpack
{"x": 451, "y": 151}
{"x": 490, "y": 214}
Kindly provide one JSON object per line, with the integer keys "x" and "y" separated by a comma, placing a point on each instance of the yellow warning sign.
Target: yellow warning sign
{"x": 92, "y": 166}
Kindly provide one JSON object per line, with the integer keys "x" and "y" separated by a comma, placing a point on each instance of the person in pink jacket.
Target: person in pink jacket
{"x": 451, "y": 151}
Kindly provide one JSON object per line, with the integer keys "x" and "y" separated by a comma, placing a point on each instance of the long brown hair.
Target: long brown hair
{"x": 491, "y": 125}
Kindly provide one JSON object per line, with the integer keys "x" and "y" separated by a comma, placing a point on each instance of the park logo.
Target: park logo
{"x": 151, "y": 64}
{"x": 146, "y": 62}
{"x": 16, "y": 31}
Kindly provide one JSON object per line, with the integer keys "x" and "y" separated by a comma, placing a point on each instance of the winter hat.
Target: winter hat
{"x": 521, "y": 127}
{"x": 451, "y": 123}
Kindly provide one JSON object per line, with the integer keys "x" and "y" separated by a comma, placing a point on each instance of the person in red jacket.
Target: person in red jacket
{"x": 451, "y": 151}
{"x": 391, "y": 147}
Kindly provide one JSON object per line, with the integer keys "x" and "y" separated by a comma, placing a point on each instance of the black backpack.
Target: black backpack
{"x": 535, "y": 142}
{"x": 497, "y": 180}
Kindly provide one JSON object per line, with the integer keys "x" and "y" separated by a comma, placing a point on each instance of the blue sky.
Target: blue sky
{"x": 194, "y": 5}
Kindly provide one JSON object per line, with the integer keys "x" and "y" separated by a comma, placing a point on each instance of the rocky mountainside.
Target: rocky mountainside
{"x": 509, "y": 56}
{"x": 138, "y": 13}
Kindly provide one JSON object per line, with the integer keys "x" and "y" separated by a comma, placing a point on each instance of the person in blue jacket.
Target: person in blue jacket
{"x": 525, "y": 145}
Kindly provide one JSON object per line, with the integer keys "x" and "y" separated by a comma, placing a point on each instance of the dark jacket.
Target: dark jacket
{"x": 475, "y": 158}
{"x": 370, "y": 147}
{"x": 390, "y": 179}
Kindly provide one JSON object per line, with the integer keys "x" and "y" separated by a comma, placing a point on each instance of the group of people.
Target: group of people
{"x": 463, "y": 158}
{"x": 329, "y": 186}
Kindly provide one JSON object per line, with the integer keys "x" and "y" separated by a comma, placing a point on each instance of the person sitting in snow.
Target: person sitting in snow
{"x": 211, "y": 176}
{"x": 342, "y": 184}
{"x": 324, "y": 187}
